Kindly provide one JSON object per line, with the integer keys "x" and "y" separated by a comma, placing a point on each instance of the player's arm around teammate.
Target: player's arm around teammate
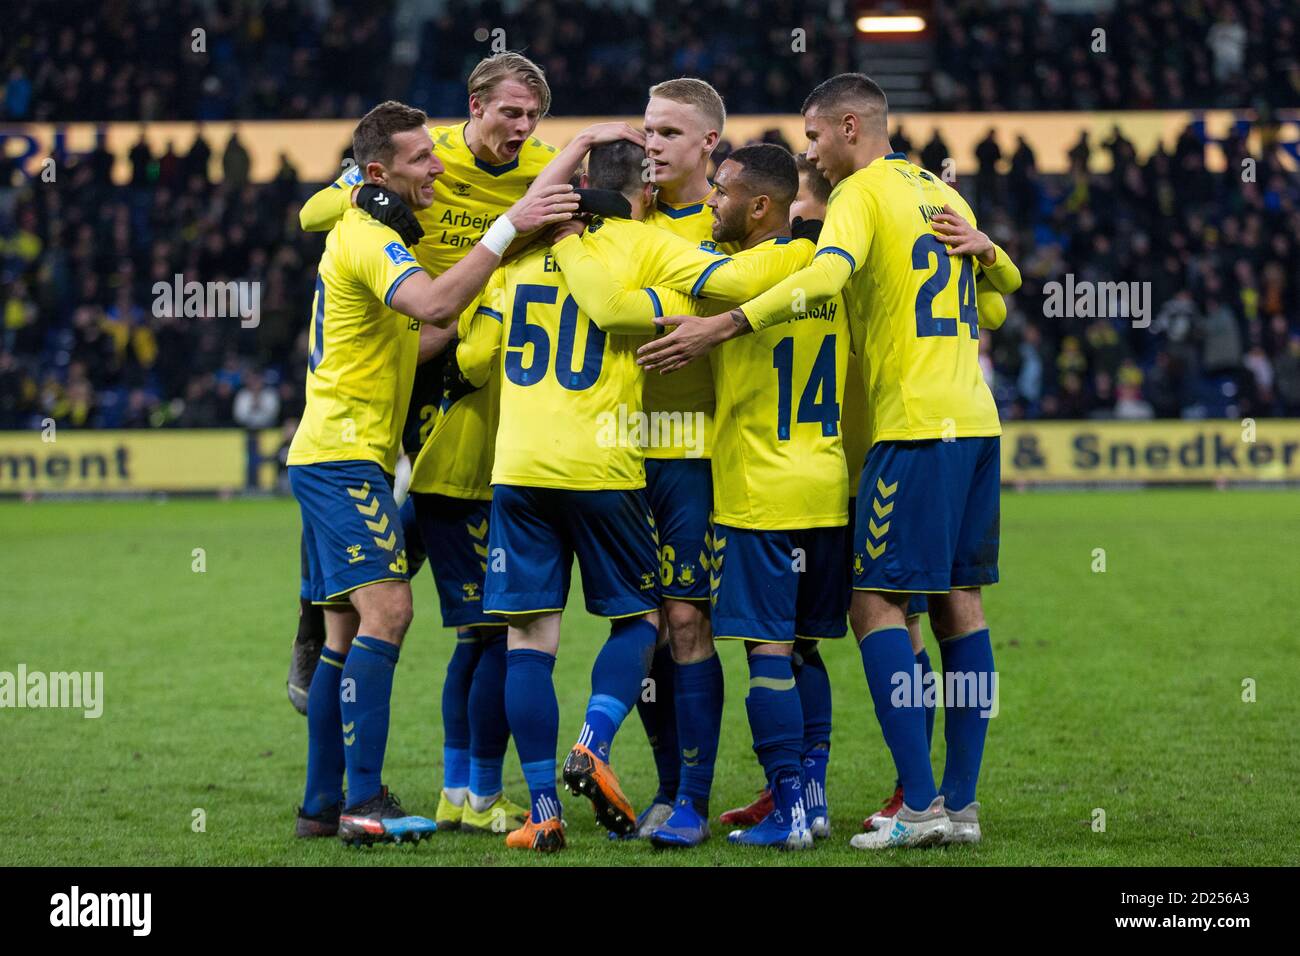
{"x": 778, "y": 544}
{"x": 360, "y": 372}
{"x": 439, "y": 300}
{"x": 998, "y": 275}
{"x": 925, "y": 384}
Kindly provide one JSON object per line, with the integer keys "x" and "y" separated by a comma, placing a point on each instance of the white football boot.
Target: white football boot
{"x": 820, "y": 825}
{"x": 965, "y": 824}
{"x": 911, "y": 828}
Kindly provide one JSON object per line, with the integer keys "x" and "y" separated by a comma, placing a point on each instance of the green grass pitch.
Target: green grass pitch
{"x": 1120, "y": 691}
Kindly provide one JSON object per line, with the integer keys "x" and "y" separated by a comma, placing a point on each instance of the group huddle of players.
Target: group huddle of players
{"x": 749, "y": 405}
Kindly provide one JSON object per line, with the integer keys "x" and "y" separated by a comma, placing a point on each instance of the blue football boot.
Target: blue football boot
{"x": 685, "y": 828}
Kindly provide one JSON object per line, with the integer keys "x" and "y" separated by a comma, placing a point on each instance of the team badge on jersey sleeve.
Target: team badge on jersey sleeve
{"x": 397, "y": 253}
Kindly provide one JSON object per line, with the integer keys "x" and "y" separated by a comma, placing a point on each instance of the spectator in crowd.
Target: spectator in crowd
{"x": 1030, "y": 381}
{"x": 987, "y": 181}
{"x": 1288, "y": 377}
{"x": 257, "y": 405}
{"x": 1227, "y": 39}
{"x": 141, "y": 408}
{"x": 1220, "y": 337}
{"x": 900, "y": 141}
{"x": 234, "y": 164}
{"x": 197, "y": 159}
{"x": 934, "y": 153}
{"x": 1129, "y": 403}
{"x": 142, "y": 163}
{"x": 1261, "y": 369}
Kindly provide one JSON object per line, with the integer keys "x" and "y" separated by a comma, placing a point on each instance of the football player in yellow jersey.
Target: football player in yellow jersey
{"x": 954, "y": 231}
{"x": 684, "y": 119}
{"x": 780, "y": 495}
{"x": 565, "y": 485}
{"x": 810, "y": 671}
{"x": 811, "y": 678}
{"x": 489, "y": 162}
{"x": 371, "y": 297}
{"x": 451, "y": 497}
{"x": 568, "y": 475}
{"x": 928, "y": 500}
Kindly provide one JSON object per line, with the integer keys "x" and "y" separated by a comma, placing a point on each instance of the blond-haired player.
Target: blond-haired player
{"x": 683, "y": 123}
{"x": 489, "y": 161}
{"x": 931, "y": 476}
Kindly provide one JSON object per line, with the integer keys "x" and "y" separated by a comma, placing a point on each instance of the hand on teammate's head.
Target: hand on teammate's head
{"x": 599, "y": 133}
{"x": 544, "y": 205}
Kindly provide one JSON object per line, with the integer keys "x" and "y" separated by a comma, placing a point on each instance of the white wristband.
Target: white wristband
{"x": 499, "y": 235}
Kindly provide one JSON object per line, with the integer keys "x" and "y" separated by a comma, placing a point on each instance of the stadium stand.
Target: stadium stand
{"x": 80, "y": 343}
{"x": 1157, "y": 55}
{"x": 135, "y": 60}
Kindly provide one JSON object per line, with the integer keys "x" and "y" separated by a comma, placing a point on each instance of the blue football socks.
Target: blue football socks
{"x": 534, "y": 715}
{"x": 928, "y": 700}
{"x": 455, "y": 714}
{"x": 621, "y": 666}
{"x": 325, "y": 763}
{"x": 775, "y": 717}
{"x": 364, "y": 698}
{"x": 698, "y": 696}
{"x": 887, "y": 651}
{"x": 969, "y": 659}
{"x": 659, "y": 717}
{"x": 814, "y": 686}
{"x": 489, "y": 730}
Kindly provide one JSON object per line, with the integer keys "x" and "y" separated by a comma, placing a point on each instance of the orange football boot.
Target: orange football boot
{"x": 545, "y": 837}
{"x": 587, "y": 775}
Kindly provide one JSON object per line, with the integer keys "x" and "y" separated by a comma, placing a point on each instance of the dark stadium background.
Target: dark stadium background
{"x": 79, "y": 343}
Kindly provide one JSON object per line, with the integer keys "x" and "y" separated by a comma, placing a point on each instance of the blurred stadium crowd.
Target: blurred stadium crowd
{"x": 282, "y": 59}
{"x": 1159, "y": 54}
{"x": 80, "y": 341}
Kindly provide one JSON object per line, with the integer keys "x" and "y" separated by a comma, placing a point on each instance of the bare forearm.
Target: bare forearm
{"x": 440, "y": 301}
{"x": 566, "y": 162}
{"x": 456, "y": 288}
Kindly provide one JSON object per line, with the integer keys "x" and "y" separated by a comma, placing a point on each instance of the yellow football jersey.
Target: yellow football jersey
{"x": 691, "y": 389}
{"x": 363, "y": 354}
{"x": 914, "y": 306}
{"x": 778, "y": 458}
{"x": 467, "y": 197}
{"x": 614, "y": 266}
{"x": 456, "y": 459}
{"x": 570, "y": 407}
